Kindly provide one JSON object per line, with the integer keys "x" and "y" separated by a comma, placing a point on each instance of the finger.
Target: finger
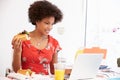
{"x": 14, "y": 39}
{"x": 17, "y": 43}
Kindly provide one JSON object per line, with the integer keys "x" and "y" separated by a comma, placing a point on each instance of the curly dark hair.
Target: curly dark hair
{"x": 42, "y": 9}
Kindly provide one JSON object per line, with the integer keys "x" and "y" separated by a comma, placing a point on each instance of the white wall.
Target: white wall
{"x": 13, "y": 19}
{"x": 103, "y": 17}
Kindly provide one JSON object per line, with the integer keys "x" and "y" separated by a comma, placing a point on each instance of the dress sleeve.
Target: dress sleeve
{"x": 57, "y": 48}
{"x": 56, "y": 44}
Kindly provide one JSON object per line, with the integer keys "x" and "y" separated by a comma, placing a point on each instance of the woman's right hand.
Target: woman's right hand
{"x": 17, "y": 44}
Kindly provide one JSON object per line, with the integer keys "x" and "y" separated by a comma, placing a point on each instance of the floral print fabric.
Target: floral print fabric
{"x": 38, "y": 60}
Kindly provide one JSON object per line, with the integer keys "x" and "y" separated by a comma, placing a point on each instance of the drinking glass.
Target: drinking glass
{"x": 59, "y": 71}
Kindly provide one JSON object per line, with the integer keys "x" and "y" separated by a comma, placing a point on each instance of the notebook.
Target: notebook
{"x": 86, "y": 66}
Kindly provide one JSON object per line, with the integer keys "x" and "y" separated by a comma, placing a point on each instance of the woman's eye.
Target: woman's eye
{"x": 46, "y": 23}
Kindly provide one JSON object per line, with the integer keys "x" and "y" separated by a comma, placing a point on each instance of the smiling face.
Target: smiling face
{"x": 45, "y": 25}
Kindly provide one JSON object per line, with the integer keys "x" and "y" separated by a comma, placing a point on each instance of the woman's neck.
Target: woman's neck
{"x": 37, "y": 34}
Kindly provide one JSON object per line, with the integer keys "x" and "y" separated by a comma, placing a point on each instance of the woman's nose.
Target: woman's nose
{"x": 50, "y": 27}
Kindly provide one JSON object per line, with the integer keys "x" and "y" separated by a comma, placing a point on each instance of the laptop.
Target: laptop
{"x": 86, "y": 66}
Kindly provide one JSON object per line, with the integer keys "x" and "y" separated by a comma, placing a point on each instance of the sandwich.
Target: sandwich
{"x": 27, "y": 72}
{"x": 23, "y": 35}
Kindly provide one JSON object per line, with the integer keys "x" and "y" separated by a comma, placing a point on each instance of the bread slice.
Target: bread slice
{"x": 23, "y": 35}
{"x": 25, "y": 71}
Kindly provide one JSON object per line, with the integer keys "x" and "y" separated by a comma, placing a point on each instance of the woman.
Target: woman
{"x": 41, "y": 50}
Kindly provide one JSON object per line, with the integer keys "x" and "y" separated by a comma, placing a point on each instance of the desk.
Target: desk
{"x": 102, "y": 75}
{"x": 51, "y": 77}
{"x": 4, "y": 78}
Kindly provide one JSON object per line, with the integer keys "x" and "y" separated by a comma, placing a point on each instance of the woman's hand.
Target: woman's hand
{"x": 17, "y": 45}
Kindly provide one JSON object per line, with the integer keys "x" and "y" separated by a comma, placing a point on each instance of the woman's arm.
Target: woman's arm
{"x": 17, "y": 50}
{"x": 54, "y": 60}
{"x": 16, "y": 63}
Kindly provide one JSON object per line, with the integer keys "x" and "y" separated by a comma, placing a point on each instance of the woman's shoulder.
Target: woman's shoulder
{"x": 52, "y": 38}
{"x": 54, "y": 42}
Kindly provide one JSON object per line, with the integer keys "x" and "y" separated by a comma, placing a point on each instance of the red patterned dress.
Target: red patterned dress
{"x": 38, "y": 60}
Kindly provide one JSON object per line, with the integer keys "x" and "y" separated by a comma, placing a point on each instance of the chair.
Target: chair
{"x": 8, "y": 70}
{"x": 118, "y": 62}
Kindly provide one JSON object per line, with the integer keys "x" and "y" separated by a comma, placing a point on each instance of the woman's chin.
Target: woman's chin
{"x": 46, "y": 34}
